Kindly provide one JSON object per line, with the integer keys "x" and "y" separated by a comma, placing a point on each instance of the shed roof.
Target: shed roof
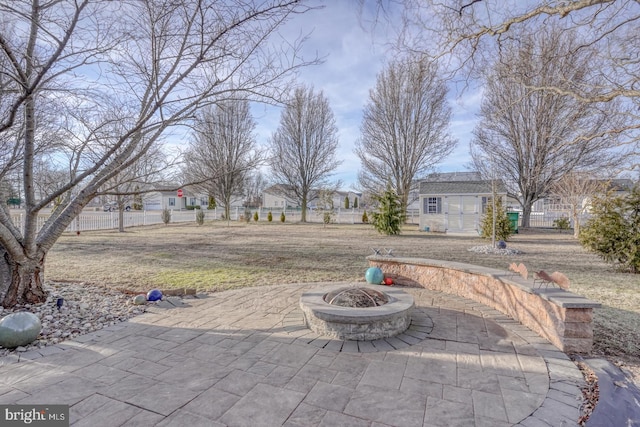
{"x": 461, "y": 187}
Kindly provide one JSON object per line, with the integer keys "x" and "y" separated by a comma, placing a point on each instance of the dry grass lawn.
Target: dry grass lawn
{"x": 217, "y": 256}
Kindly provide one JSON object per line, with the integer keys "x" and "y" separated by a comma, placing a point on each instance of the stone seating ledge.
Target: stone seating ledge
{"x": 558, "y": 315}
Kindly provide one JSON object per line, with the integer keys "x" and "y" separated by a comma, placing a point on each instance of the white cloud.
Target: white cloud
{"x": 354, "y": 56}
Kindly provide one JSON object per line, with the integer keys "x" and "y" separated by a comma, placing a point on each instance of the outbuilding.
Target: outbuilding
{"x": 455, "y": 202}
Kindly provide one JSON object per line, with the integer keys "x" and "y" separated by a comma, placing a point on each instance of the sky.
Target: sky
{"x": 354, "y": 57}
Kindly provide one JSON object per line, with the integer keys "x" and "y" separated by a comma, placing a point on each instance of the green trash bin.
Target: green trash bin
{"x": 513, "y": 220}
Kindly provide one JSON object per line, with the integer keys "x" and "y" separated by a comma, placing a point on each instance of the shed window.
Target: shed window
{"x": 432, "y": 205}
{"x": 172, "y": 201}
{"x": 485, "y": 202}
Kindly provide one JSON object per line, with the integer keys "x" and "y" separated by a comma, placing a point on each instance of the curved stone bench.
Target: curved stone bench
{"x": 560, "y": 316}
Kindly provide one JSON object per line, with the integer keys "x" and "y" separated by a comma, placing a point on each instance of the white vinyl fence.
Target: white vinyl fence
{"x": 88, "y": 221}
{"x": 110, "y": 220}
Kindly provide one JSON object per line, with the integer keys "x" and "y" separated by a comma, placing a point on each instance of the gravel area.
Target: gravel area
{"x": 490, "y": 250}
{"x": 84, "y": 309}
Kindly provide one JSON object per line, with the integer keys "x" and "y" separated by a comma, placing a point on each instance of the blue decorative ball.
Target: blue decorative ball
{"x": 374, "y": 276}
{"x": 501, "y": 244}
{"x": 154, "y": 295}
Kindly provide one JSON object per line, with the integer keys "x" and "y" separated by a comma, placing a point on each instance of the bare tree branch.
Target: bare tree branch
{"x": 405, "y": 128}
{"x": 303, "y": 148}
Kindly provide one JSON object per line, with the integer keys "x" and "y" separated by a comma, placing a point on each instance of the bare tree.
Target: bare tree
{"x": 146, "y": 174}
{"x": 532, "y": 138}
{"x": 466, "y": 34}
{"x": 255, "y": 185}
{"x": 303, "y": 148}
{"x": 574, "y": 192}
{"x": 124, "y": 72}
{"x": 404, "y": 127}
{"x": 223, "y": 151}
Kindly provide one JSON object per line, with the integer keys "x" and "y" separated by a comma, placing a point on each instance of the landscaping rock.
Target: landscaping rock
{"x": 19, "y": 329}
{"x": 86, "y": 309}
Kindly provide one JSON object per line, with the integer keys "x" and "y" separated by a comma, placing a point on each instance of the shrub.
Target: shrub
{"x": 503, "y": 225}
{"x": 247, "y": 216}
{"x": 365, "y": 218}
{"x": 166, "y": 216}
{"x": 200, "y": 217}
{"x": 282, "y": 217}
{"x": 326, "y": 218}
{"x": 137, "y": 201}
{"x": 562, "y": 223}
{"x": 212, "y": 203}
{"x": 613, "y": 232}
{"x": 390, "y": 216}
{"x": 269, "y": 216}
{"x": 355, "y": 203}
{"x": 255, "y": 216}
{"x": 346, "y": 202}
{"x": 190, "y": 207}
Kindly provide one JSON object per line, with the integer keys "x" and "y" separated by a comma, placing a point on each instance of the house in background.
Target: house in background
{"x": 339, "y": 196}
{"x": 455, "y": 202}
{"x": 275, "y": 197}
{"x": 169, "y": 199}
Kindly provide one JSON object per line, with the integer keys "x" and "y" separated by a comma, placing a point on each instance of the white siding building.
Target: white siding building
{"x": 455, "y": 203}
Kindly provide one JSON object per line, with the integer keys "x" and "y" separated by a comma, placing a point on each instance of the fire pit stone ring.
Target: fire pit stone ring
{"x": 354, "y": 323}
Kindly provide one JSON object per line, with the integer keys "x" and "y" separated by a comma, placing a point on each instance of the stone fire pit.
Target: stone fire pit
{"x": 357, "y": 323}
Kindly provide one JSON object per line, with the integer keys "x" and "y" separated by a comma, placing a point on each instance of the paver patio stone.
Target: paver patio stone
{"x": 105, "y": 374}
{"x": 347, "y": 379}
{"x": 387, "y": 373}
{"x": 332, "y": 419}
{"x": 295, "y": 356}
{"x": 444, "y": 413}
{"x": 457, "y": 394}
{"x": 436, "y": 370}
{"x": 475, "y": 379}
{"x": 242, "y": 358}
{"x": 212, "y": 403}
{"x": 305, "y": 415}
{"x": 144, "y": 419}
{"x": 163, "y": 398}
{"x": 488, "y": 405}
{"x": 421, "y": 388}
{"x": 264, "y": 405}
{"x": 513, "y": 384}
{"x": 182, "y": 418}
{"x": 70, "y": 390}
{"x": 238, "y": 382}
{"x": 389, "y": 406}
{"x": 110, "y": 410}
{"x": 11, "y": 396}
{"x": 520, "y": 405}
{"x": 129, "y": 387}
{"x": 328, "y": 396}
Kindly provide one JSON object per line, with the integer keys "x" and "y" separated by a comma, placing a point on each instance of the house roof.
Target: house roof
{"x": 454, "y": 176}
{"x": 621, "y": 185}
{"x": 461, "y": 187}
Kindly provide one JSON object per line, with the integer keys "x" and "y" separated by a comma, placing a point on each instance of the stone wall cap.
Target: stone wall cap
{"x": 566, "y": 299}
{"x": 560, "y": 297}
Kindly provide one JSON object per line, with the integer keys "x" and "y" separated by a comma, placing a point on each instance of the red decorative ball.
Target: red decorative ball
{"x": 388, "y": 281}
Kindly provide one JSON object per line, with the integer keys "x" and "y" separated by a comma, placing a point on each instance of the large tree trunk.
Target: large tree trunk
{"x": 576, "y": 222}
{"x": 526, "y": 214}
{"x": 120, "y": 219}
{"x": 25, "y": 278}
{"x": 303, "y": 213}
